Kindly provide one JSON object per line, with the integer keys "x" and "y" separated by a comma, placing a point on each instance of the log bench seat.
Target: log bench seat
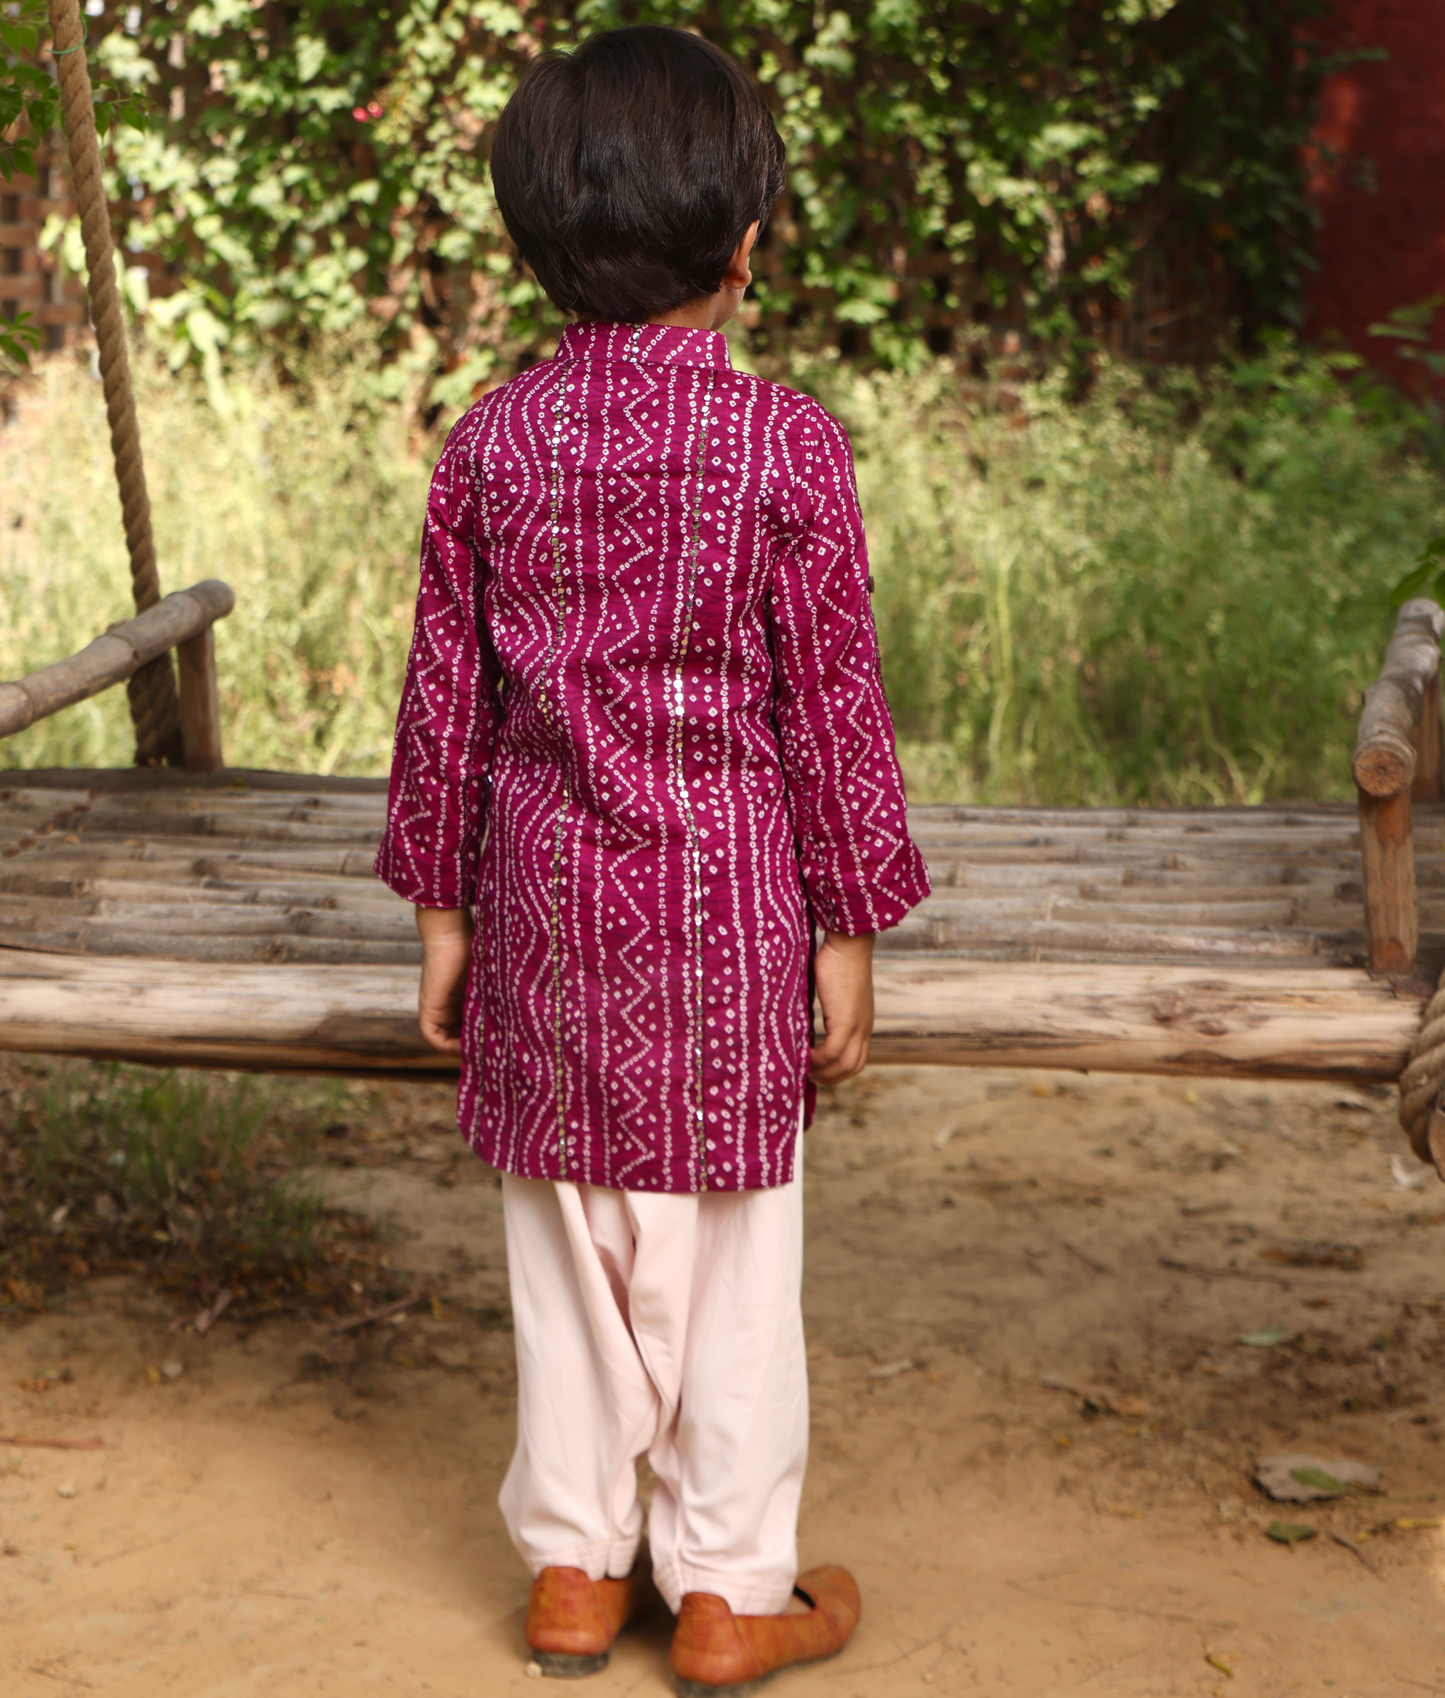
{"x": 232, "y": 920}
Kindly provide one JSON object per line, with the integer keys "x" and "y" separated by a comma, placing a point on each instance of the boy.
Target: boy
{"x": 643, "y": 741}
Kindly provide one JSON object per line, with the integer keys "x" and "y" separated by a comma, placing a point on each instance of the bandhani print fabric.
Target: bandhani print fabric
{"x": 643, "y": 733}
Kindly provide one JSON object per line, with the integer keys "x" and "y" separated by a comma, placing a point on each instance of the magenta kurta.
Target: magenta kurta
{"x": 643, "y": 731}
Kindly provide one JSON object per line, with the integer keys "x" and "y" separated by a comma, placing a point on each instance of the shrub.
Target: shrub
{"x": 1169, "y": 592}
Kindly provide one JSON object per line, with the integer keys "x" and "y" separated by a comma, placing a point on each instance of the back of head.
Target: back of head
{"x": 629, "y": 170}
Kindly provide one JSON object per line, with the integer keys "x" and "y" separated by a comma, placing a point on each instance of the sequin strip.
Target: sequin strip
{"x": 677, "y": 740}
{"x": 559, "y": 602}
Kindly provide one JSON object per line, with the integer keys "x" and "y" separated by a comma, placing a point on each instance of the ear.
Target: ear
{"x": 739, "y": 273}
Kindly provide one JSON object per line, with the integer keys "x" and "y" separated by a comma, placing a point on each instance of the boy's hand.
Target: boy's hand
{"x": 446, "y": 949}
{"x": 843, "y": 972}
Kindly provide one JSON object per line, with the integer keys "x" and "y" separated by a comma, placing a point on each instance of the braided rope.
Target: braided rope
{"x": 154, "y": 702}
{"x": 1423, "y": 1080}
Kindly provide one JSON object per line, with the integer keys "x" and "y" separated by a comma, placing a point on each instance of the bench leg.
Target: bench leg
{"x": 200, "y": 704}
{"x": 1387, "y": 856}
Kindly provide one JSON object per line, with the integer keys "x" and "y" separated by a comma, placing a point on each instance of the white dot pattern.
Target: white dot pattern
{"x": 643, "y": 731}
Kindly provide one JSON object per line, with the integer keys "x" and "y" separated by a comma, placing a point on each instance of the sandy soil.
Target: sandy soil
{"x": 300, "y": 1513}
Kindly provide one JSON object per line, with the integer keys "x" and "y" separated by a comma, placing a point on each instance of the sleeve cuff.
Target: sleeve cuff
{"x": 878, "y": 902}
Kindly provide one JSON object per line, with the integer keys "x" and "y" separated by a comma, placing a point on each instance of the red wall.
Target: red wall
{"x": 1382, "y": 244}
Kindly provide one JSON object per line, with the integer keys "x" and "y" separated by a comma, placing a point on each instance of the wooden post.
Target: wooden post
{"x": 200, "y": 704}
{"x": 1397, "y": 756}
{"x": 1387, "y": 855}
{"x": 1428, "y": 786}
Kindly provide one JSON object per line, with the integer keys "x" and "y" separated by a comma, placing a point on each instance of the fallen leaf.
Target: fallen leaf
{"x": 1409, "y": 1526}
{"x": 1289, "y": 1532}
{"x": 1264, "y": 1338}
{"x": 1220, "y": 1664}
{"x": 153, "y": 1375}
{"x": 1295, "y": 1477}
{"x": 1321, "y": 1481}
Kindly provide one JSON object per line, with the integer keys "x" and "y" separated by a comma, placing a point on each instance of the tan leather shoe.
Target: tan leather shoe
{"x": 715, "y": 1652}
{"x": 572, "y": 1621}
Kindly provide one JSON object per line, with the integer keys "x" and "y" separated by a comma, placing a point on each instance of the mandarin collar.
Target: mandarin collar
{"x": 652, "y": 344}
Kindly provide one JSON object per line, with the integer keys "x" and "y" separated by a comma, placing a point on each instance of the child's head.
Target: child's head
{"x": 629, "y": 171}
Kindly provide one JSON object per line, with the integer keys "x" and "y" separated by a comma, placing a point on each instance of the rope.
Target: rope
{"x": 1423, "y": 1080}
{"x": 154, "y": 702}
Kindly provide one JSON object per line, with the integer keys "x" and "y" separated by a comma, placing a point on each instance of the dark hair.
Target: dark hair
{"x": 629, "y": 170}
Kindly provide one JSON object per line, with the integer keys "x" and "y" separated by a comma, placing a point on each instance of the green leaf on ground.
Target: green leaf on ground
{"x": 1317, "y": 1478}
{"x": 1289, "y": 1532}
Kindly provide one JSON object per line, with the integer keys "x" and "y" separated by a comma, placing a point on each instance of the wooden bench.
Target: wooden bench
{"x": 231, "y": 919}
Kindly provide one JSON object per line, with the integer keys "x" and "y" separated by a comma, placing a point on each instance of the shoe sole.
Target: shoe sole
{"x": 743, "y": 1689}
{"x": 563, "y": 1665}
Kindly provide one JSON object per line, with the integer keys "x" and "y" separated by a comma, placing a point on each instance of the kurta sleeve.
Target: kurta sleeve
{"x": 450, "y": 704}
{"x": 861, "y": 870}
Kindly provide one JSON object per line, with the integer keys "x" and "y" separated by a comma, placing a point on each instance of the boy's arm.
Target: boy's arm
{"x": 861, "y": 870}
{"x": 446, "y": 728}
{"x": 450, "y": 704}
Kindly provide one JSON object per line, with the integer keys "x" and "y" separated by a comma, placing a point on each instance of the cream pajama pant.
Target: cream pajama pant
{"x": 666, "y": 1326}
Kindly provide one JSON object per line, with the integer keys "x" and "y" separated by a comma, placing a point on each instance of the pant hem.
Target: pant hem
{"x": 743, "y": 1594}
{"x": 606, "y": 1558}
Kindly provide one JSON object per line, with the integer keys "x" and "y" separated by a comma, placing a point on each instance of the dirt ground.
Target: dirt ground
{"x": 1034, "y": 1424}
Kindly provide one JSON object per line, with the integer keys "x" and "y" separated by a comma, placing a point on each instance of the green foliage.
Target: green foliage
{"x": 1169, "y": 594}
{"x": 29, "y": 107}
{"x": 1410, "y": 329}
{"x": 1426, "y": 576}
{"x": 27, "y": 91}
{"x": 1166, "y": 597}
{"x": 952, "y": 165}
{"x": 306, "y": 498}
{"x": 172, "y": 1163}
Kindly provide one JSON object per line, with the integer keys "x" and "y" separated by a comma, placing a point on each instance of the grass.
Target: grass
{"x": 188, "y": 1177}
{"x": 307, "y": 502}
{"x": 1170, "y": 593}
{"x": 1165, "y": 595}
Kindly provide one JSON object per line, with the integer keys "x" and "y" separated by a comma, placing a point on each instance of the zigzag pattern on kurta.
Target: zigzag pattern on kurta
{"x": 643, "y": 732}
